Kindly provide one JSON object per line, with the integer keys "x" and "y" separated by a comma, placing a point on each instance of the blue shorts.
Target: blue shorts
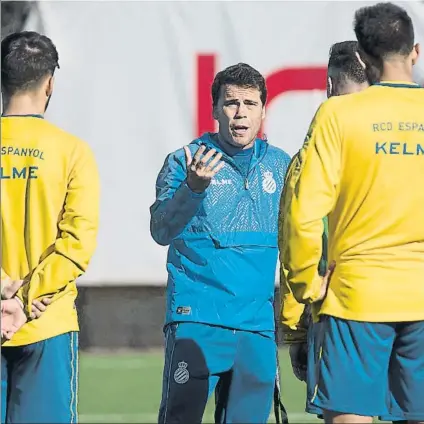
{"x": 371, "y": 369}
{"x": 314, "y": 332}
{"x": 199, "y": 356}
{"x": 39, "y": 381}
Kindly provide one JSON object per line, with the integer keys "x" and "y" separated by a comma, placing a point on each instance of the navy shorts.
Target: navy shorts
{"x": 39, "y": 381}
{"x": 371, "y": 369}
{"x": 198, "y": 356}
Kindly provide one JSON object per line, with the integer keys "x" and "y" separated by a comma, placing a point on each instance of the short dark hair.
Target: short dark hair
{"x": 383, "y": 30}
{"x": 241, "y": 75}
{"x": 373, "y": 67}
{"x": 26, "y": 58}
{"x": 343, "y": 58}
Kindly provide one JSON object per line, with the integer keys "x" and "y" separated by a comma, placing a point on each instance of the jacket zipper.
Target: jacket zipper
{"x": 246, "y": 179}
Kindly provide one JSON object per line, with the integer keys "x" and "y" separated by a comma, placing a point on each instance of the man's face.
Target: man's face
{"x": 239, "y": 112}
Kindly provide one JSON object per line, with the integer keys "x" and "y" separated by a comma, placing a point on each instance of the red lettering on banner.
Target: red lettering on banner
{"x": 205, "y": 76}
{"x": 295, "y": 79}
{"x": 278, "y": 82}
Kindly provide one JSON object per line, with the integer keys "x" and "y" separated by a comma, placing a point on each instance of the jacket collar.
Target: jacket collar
{"x": 259, "y": 148}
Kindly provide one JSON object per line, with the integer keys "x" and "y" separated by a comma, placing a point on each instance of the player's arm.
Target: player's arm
{"x": 180, "y": 190}
{"x": 295, "y": 317}
{"x": 68, "y": 258}
{"x": 5, "y": 283}
{"x": 176, "y": 204}
{"x": 310, "y": 196}
{"x": 3, "y": 275}
{"x": 294, "y": 327}
{"x": 291, "y": 311}
{"x": 9, "y": 287}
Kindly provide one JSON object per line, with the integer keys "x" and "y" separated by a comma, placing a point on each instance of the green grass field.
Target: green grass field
{"x": 126, "y": 388}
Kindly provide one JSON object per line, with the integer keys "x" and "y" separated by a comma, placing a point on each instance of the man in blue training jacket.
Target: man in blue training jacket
{"x": 217, "y": 203}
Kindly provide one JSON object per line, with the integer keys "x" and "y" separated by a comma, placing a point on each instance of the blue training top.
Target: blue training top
{"x": 223, "y": 246}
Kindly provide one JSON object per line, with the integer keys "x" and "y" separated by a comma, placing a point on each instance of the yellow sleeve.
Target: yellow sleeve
{"x": 69, "y": 256}
{"x": 293, "y": 325}
{"x": 291, "y": 310}
{"x": 4, "y": 279}
{"x": 4, "y": 276}
{"x": 310, "y": 196}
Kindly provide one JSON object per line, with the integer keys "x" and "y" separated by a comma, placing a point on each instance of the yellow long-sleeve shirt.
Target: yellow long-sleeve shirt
{"x": 49, "y": 215}
{"x": 362, "y": 164}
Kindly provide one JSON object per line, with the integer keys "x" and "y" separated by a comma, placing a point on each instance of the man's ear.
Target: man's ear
{"x": 416, "y": 53}
{"x": 329, "y": 87}
{"x": 49, "y": 86}
{"x": 263, "y": 112}
{"x": 215, "y": 112}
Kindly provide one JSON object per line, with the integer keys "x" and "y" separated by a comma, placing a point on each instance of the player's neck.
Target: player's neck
{"x": 397, "y": 70}
{"x": 23, "y": 104}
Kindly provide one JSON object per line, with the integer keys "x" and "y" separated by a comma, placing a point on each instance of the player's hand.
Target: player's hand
{"x": 39, "y": 307}
{"x": 202, "y": 168}
{"x": 12, "y": 317}
{"x": 326, "y": 281}
{"x": 299, "y": 360}
{"x": 9, "y": 287}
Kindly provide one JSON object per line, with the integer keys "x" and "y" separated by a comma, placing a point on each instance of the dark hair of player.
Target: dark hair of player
{"x": 383, "y": 30}
{"x": 241, "y": 75}
{"x": 26, "y": 59}
{"x": 344, "y": 61}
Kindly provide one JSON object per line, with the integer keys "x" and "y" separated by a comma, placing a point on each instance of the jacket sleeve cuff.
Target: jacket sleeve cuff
{"x": 26, "y": 308}
{"x": 316, "y": 288}
{"x": 308, "y": 293}
{"x": 192, "y": 193}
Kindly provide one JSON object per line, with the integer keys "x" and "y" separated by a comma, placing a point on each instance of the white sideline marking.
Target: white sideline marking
{"x": 152, "y": 418}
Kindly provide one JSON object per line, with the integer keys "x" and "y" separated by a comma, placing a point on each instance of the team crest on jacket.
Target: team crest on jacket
{"x": 268, "y": 183}
{"x": 181, "y": 375}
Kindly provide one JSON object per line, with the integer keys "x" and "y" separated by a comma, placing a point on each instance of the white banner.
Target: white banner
{"x": 135, "y": 84}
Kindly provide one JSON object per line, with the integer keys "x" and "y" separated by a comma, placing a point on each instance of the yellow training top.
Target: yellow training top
{"x": 362, "y": 164}
{"x": 49, "y": 216}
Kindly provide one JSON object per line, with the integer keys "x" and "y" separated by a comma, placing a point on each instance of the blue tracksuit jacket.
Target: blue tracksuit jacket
{"x": 222, "y": 243}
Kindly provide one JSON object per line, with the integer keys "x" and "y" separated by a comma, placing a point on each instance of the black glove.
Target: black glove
{"x": 299, "y": 360}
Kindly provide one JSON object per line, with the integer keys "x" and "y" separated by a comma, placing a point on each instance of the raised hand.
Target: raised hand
{"x": 202, "y": 168}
